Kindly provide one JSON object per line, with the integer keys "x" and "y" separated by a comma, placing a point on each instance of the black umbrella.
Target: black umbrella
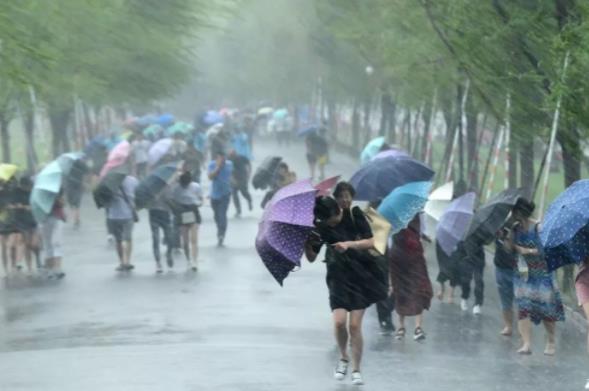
{"x": 490, "y": 217}
{"x": 154, "y": 183}
{"x": 109, "y": 185}
{"x": 263, "y": 176}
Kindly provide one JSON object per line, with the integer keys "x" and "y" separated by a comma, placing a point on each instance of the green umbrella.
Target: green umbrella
{"x": 152, "y": 130}
{"x": 179, "y": 127}
{"x": 45, "y": 191}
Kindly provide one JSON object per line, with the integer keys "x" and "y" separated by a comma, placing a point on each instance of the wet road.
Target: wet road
{"x": 231, "y": 327}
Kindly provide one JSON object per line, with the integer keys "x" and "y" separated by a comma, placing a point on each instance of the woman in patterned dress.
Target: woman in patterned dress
{"x": 536, "y": 293}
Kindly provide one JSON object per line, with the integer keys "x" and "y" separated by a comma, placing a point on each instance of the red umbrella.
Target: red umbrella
{"x": 325, "y": 187}
{"x": 117, "y": 157}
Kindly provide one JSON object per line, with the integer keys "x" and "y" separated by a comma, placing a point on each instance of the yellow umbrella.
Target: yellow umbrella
{"x": 7, "y": 171}
{"x": 126, "y": 135}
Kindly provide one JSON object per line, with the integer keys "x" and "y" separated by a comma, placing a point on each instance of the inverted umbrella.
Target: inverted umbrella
{"x": 490, "y": 217}
{"x": 371, "y": 149}
{"x": 45, "y": 191}
{"x": 376, "y": 179}
{"x": 454, "y": 222}
{"x": 439, "y": 200}
{"x": 325, "y": 187}
{"x": 117, "y": 157}
{"x": 265, "y": 172}
{"x": 109, "y": 185}
{"x": 7, "y": 171}
{"x": 565, "y": 231}
{"x": 150, "y": 187}
{"x": 287, "y": 221}
{"x": 158, "y": 150}
{"x": 404, "y": 203}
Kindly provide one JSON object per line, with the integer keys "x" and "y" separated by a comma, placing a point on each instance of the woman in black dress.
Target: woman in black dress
{"x": 352, "y": 279}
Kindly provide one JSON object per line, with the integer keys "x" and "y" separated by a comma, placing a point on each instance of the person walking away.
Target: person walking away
{"x": 317, "y": 152}
{"x": 282, "y": 177}
{"x": 186, "y": 198}
{"x": 249, "y": 127}
{"x": 140, "y": 153}
{"x": 160, "y": 219}
{"x": 240, "y": 181}
{"x": 410, "y": 282}
{"x": 192, "y": 162}
{"x": 14, "y": 242}
{"x": 351, "y": 289}
{"x": 74, "y": 189}
{"x": 582, "y": 290}
{"x": 472, "y": 267}
{"x": 220, "y": 172}
{"x": 536, "y": 293}
{"x": 505, "y": 261}
{"x": 447, "y": 274}
{"x": 122, "y": 216}
{"x": 52, "y": 238}
{"x": 240, "y": 143}
{"x": 4, "y": 226}
{"x": 25, "y": 223}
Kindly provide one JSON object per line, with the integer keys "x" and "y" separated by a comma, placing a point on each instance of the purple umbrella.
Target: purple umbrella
{"x": 285, "y": 225}
{"x": 159, "y": 150}
{"x": 393, "y": 152}
{"x": 454, "y": 222}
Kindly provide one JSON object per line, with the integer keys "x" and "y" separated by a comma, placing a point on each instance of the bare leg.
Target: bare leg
{"x": 185, "y": 242}
{"x": 340, "y": 320}
{"x": 550, "y": 327}
{"x": 525, "y": 329}
{"x": 194, "y": 243}
{"x": 508, "y": 323}
{"x": 451, "y": 295}
{"x": 121, "y": 252}
{"x": 441, "y": 292}
{"x": 419, "y": 320}
{"x": 356, "y": 338}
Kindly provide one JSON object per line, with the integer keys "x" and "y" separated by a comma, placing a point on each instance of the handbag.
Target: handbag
{"x": 380, "y": 227}
{"x": 188, "y": 217}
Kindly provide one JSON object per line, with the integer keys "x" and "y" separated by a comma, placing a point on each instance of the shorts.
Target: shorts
{"x": 504, "y": 278}
{"x": 51, "y": 236}
{"x": 187, "y": 215}
{"x": 582, "y": 286}
{"x": 74, "y": 197}
{"x": 121, "y": 229}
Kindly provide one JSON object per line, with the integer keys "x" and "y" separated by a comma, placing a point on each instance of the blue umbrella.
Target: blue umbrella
{"x": 565, "y": 228}
{"x": 311, "y": 129}
{"x": 212, "y": 117}
{"x": 165, "y": 120}
{"x": 371, "y": 149}
{"x": 454, "y": 222}
{"x": 45, "y": 190}
{"x": 404, "y": 203}
{"x": 376, "y": 179}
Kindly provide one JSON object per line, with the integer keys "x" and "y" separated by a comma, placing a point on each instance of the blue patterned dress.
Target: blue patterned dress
{"x": 538, "y": 297}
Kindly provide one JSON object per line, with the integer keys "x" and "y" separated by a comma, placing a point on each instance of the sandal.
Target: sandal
{"x": 419, "y": 334}
{"x": 400, "y": 334}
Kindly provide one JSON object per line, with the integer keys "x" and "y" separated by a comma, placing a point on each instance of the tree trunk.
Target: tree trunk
{"x": 427, "y": 115}
{"x": 512, "y": 158}
{"x": 385, "y": 112}
{"x": 355, "y": 127}
{"x": 571, "y": 153}
{"x": 392, "y": 123}
{"x": 59, "y": 119}
{"x": 5, "y": 132}
{"x": 526, "y": 162}
{"x": 331, "y": 117}
{"x": 472, "y": 141}
{"x": 366, "y": 121}
{"x": 29, "y": 123}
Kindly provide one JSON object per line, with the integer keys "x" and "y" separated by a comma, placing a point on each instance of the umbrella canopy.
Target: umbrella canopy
{"x": 265, "y": 172}
{"x": 117, "y": 157}
{"x": 325, "y": 187}
{"x": 280, "y": 114}
{"x": 439, "y": 200}
{"x": 66, "y": 161}
{"x": 308, "y": 130}
{"x": 158, "y": 150}
{"x": 371, "y": 149}
{"x": 108, "y": 185}
{"x": 454, "y": 222}
{"x": 150, "y": 187}
{"x": 165, "y": 120}
{"x": 7, "y": 171}
{"x": 565, "y": 228}
{"x": 211, "y": 118}
{"x": 393, "y": 152}
{"x": 147, "y": 120}
{"x": 490, "y": 217}
{"x": 183, "y": 128}
{"x": 45, "y": 190}
{"x": 127, "y": 134}
{"x": 376, "y": 179}
{"x": 265, "y": 111}
{"x": 403, "y": 203}
{"x": 287, "y": 221}
{"x": 153, "y": 130}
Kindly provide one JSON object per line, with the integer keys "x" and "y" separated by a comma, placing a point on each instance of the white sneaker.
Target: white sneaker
{"x": 193, "y": 266}
{"x": 463, "y": 305}
{"x": 476, "y": 310}
{"x": 357, "y": 378}
{"x": 341, "y": 370}
{"x": 587, "y": 385}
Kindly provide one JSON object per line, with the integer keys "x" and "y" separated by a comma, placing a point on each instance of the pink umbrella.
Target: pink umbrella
{"x": 326, "y": 186}
{"x": 159, "y": 150}
{"x": 117, "y": 157}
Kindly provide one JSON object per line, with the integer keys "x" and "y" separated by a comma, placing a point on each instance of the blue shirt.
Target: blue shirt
{"x": 200, "y": 141}
{"x": 240, "y": 144}
{"x": 221, "y": 186}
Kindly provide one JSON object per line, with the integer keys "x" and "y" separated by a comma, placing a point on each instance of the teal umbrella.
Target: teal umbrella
{"x": 371, "y": 149}
{"x": 152, "y": 130}
{"x": 179, "y": 127}
{"x": 403, "y": 203}
{"x": 45, "y": 191}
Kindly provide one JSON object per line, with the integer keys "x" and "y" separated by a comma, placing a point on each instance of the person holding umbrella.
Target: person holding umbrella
{"x": 505, "y": 261}
{"x": 74, "y": 188}
{"x": 537, "y": 297}
{"x": 240, "y": 180}
{"x": 25, "y": 223}
{"x": 352, "y": 288}
{"x": 220, "y": 172}
{"x": 317, "y": 152}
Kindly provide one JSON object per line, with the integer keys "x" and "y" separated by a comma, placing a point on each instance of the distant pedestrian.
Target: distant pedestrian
{"x": 240, "y": 181}
{"x": 447, "y": 274}
{"x": 160, "y": 220}
{"x": 192, "y": 162}
{"x": 411, "y": 285}
{"x": 52, "y": 238}
{"x": 220, "y": 172}
{"x": 351, "y": 289}
{"x": 140, "y": 150}
{"x": 122, "y": 216}
{"x": 536, "y": 294}
{"x": 317, "y": 152}
{"x": 186, "y": 198}
{"x": 282, "y": 177}
{"x": 74, "y": 189}
{"x": 505, "y": 261}
{"x": 25, "y": 223}
{"x": 471, "y": 267}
